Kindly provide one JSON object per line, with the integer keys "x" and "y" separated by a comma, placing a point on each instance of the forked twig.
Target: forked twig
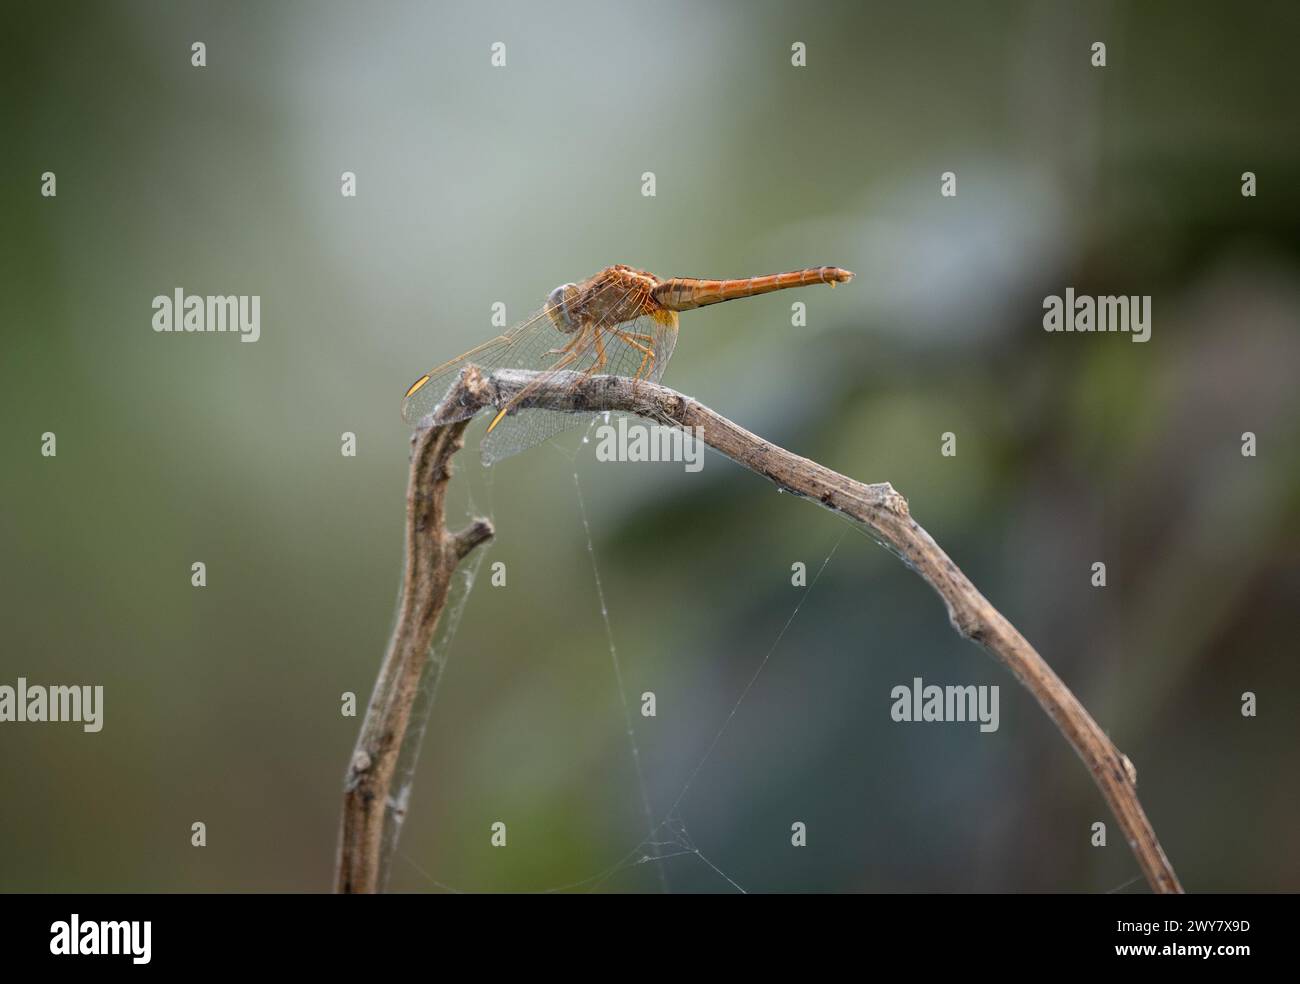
{"x": 881, "y": 510}
{"x": 432, "y": 554}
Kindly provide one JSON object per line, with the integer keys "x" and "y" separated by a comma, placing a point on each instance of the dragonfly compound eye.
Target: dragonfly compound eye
{"x": 557, "y": 306}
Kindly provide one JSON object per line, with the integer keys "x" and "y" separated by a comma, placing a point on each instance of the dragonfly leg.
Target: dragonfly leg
{"x": 649, "y": 353}
{"x": 565, "y": 348}
{"x": 601, "y": 357}
{"x": 569, "y": 346}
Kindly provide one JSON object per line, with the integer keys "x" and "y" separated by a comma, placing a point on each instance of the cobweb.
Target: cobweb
{"x": 408, "y": 755}
{"x": 667, "y": 835}
{"x": 634, "y": 747}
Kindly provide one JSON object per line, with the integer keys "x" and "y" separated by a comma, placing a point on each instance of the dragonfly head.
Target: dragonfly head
{"x": 557, "y": 306}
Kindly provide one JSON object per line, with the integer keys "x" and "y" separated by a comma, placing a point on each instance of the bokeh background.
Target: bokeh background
{"x": 478, "y": 185}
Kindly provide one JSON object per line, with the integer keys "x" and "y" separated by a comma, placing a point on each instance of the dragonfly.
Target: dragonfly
{"x": 621, "y": 321}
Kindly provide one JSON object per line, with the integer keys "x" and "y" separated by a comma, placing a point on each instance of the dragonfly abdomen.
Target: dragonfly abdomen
{"x": 687, "y": 293}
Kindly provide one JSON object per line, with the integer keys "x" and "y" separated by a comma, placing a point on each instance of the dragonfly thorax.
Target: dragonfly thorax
{"x": 557, "y": 306}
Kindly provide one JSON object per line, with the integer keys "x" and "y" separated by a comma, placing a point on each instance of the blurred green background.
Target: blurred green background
{"x": 478, "y": 185}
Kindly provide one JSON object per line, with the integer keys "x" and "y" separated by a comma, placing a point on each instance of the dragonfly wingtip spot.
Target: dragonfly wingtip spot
{"x": 416, "y": 385}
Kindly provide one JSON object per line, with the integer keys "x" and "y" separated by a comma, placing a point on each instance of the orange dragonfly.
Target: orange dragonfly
{"x": 620, "y": 322}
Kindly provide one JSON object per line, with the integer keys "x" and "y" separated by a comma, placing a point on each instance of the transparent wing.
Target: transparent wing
{"x": 639, "y": 349}
{"x": 528, "y": 345}
{"x": 522, "y": 347}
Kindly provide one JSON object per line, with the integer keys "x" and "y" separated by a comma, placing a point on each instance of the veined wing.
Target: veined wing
{"x": 528, "y": 345}
{"x": 520, "y": 348}
{"x": 638, "y": 349}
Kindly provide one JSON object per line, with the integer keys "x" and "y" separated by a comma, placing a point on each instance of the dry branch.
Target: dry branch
{"x": 432, "y": 553}
{"x": 881, "y": 510}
